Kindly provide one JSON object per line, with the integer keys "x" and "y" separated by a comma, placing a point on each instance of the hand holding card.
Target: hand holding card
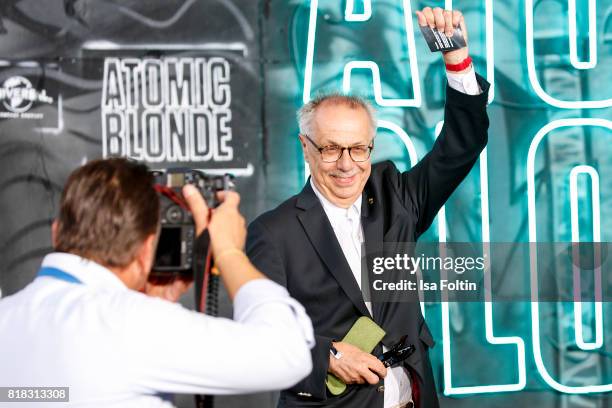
{"x": 445, "y": 31}
{"x": 439, "y": 41}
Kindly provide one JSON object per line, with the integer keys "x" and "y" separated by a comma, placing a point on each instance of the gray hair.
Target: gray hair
{"x": 305, "y": 115}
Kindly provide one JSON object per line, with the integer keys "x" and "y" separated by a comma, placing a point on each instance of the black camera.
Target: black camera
{"x": 177, "y": 247}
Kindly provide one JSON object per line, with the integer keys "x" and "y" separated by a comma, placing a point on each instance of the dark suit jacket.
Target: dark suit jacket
{"x": 295, "y": 245}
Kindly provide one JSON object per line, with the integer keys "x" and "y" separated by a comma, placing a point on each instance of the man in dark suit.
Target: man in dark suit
{"x": 312, "y": 242}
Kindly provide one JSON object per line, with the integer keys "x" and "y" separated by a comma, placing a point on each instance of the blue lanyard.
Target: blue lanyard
{"x": 58, "y": 274}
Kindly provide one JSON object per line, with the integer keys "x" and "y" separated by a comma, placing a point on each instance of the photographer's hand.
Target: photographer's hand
{"x": 227, "y": 236}
{"x": 227, "y": 226}
{"x": 197, "y": 206}
{"x": 171, "y": 289}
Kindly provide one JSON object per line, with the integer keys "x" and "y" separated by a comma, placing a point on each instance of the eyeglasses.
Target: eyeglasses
{"x": 333, "y": 153}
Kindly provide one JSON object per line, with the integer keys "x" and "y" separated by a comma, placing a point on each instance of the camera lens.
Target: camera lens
{"x": 174, "y": 214}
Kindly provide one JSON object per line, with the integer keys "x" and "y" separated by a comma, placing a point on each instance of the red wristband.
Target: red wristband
{"x": 460, "y": 66}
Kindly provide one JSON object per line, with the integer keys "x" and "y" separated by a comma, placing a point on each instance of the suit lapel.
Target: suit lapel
{"x": 371, "y": 221}
{"x": 389, "y": 304}
{"x": 372, "y": 224}
{"x": 322, "y": 236}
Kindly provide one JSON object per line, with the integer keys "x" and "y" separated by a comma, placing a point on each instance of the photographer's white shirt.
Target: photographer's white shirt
{"x": 114, "y": 347}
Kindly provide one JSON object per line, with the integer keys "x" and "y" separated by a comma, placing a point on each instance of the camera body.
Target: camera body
{"x": 176, "y": 249}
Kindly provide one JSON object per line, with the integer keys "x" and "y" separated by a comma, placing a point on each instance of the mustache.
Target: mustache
{"x": 337, "y": 173}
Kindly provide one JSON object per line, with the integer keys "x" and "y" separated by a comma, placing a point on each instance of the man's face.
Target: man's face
{"x": 341, "y": 182}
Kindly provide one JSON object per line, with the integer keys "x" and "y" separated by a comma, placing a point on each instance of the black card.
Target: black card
{"x": 439, "y": 41}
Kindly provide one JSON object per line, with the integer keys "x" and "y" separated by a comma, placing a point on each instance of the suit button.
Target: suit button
{"x": 381, "y": 388}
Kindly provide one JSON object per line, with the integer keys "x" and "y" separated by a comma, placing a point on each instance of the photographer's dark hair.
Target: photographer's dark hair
{"x": 107, "y": 210}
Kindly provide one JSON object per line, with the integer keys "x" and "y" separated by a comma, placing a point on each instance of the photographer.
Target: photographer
{"x": 83, "y": 324}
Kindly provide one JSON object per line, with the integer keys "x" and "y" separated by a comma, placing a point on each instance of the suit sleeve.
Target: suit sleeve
{"x": 425, "y": 188}
{"x": 266, "y": 257}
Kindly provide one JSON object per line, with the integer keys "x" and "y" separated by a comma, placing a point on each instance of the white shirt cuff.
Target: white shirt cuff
{"x": 260, "y": 292}
{"x": 465, "y": 83}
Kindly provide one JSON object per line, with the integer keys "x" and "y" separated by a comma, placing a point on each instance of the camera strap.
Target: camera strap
{"x": 176, "y": 198}
{"x": 202, "y": 273}
{"x": 206, "y": 292}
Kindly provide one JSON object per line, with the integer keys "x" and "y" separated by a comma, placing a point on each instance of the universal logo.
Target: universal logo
{"x": 17, "y": 96}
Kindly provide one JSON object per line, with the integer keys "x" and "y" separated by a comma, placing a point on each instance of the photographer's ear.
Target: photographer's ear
{"x": 54, "y": 227}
